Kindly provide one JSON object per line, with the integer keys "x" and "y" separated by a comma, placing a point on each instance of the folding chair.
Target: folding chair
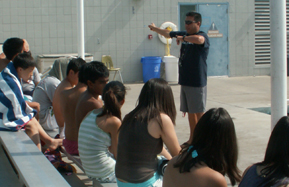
{"x": 106, "y": 59}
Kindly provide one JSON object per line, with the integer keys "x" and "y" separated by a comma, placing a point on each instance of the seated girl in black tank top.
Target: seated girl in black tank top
{"x": 142, "y": 134}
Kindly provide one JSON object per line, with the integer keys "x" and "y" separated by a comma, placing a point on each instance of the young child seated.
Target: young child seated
{"x": 15, "y": 113}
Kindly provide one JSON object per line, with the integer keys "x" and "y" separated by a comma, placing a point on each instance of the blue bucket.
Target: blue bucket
{"x": 151, "y": 66}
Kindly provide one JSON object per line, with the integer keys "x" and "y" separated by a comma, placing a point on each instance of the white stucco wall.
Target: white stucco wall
{"x": 119, "y": 28}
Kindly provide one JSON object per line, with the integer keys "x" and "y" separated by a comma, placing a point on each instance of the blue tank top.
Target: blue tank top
{"x": 252, "y": 179}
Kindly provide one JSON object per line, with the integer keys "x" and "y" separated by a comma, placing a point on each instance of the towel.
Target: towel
{"x": 58, "y": 69}
{"x": 14, "y": 112}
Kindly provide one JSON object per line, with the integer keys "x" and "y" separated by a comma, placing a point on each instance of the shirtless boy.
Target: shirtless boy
{"x": 95, "y": 76}
{"x": 69, "y": 82}
{"x": 68, "y": 102}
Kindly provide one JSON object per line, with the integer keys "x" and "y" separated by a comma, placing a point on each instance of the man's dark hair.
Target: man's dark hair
{"x": 24, "y": 61}
{"x": 74, "y": 65}
{"x": 12, "y": 47}
{"x": 197, "y": 16}
{"x": 93, "y": 71}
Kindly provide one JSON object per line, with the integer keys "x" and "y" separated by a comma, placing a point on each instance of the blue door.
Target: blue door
{"x": 215, "y": 24}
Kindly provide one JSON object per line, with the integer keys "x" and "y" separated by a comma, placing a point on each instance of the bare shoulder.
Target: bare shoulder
{"x": 64, "y": 85}
{"x": 165, "y": 118}
{"x": 93, "y": 103}
{"x": 212, "y": 177}
{"x": 88, "y": 104}
{"x": 113, "y": 122}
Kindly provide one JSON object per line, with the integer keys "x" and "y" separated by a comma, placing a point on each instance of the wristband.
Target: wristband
{"x": 184, "y": 37}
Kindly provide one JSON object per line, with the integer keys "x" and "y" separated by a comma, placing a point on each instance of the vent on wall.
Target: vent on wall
{"x": 262, "y": 31}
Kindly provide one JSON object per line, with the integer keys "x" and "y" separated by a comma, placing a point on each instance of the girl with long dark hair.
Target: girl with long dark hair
{"x": 274, "y": 170}
{"x": 212, "y": 154}
{"x": 142, "y": 134}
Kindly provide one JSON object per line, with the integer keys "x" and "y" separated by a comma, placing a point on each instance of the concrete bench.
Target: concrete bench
{"x": 8, "y": 177}
{"x": 77, "y": 161}
{"x": 31, "y": 166}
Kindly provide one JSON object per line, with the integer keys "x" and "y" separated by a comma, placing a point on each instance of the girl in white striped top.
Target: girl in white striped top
{"x": 98, "y": 135}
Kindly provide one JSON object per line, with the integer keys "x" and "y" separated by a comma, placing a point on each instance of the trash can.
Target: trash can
{"x": 151, "y": 66}
{"x": 171, "y": 68}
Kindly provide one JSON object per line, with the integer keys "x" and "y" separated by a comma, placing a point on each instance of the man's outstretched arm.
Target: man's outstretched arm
{"x": 164, "y": 32}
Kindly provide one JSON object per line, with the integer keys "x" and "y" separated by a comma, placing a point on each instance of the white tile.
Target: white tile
{"x": 52, "y": 11}
{"x": 37, "y": 11}
{"x": 29, "y": 11}
{"x": 7, "y": 19}
{"x": 5, "y": 11}
{"x": 52, "y": 3}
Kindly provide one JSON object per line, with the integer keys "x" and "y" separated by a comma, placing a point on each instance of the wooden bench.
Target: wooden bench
{"x": 31, "y": 166}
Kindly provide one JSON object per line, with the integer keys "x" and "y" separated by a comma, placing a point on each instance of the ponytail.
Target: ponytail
{"x": 111, "y": 105}
{"x": 113, "y": 93}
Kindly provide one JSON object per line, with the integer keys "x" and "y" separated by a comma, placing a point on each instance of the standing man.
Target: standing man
{"x": 192, "y": 67}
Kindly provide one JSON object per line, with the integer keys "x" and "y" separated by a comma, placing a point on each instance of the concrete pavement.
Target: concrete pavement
{"x": 237, "y": 95}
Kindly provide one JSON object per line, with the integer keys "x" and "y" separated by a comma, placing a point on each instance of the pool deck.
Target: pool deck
{"x": 237, "y": 95}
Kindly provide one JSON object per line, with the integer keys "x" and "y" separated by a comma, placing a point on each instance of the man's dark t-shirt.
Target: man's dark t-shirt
{"x": 193, "y": 61}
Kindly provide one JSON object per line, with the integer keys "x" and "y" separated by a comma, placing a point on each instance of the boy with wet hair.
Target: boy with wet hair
{"x": 15, "y": 113}
{"x": 68, "y": 102}
{"x": 69, "y": 82}
{"x": 95, "y": 76}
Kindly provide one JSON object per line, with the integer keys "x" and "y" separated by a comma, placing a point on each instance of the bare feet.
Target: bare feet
{"x": 54, "y": 144}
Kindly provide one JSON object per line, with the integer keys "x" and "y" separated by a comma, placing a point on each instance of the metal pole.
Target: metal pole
{"x": 278, "y": 60}
{"x": 80, "y": 29}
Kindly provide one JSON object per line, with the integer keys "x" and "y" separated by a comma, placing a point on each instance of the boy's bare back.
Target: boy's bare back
{"x": 64, "y": 85}
{"x": 68, "y": 101}
{"x": 86, "y": 103}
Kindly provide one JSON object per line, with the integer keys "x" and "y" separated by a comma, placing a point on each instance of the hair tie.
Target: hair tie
{"x": 194, "y": 153}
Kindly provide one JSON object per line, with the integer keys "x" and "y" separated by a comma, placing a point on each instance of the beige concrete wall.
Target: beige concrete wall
{"x": 119, "y": 28}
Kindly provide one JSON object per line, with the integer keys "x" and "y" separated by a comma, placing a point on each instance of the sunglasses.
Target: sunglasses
{"x": 188, "y": 22}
